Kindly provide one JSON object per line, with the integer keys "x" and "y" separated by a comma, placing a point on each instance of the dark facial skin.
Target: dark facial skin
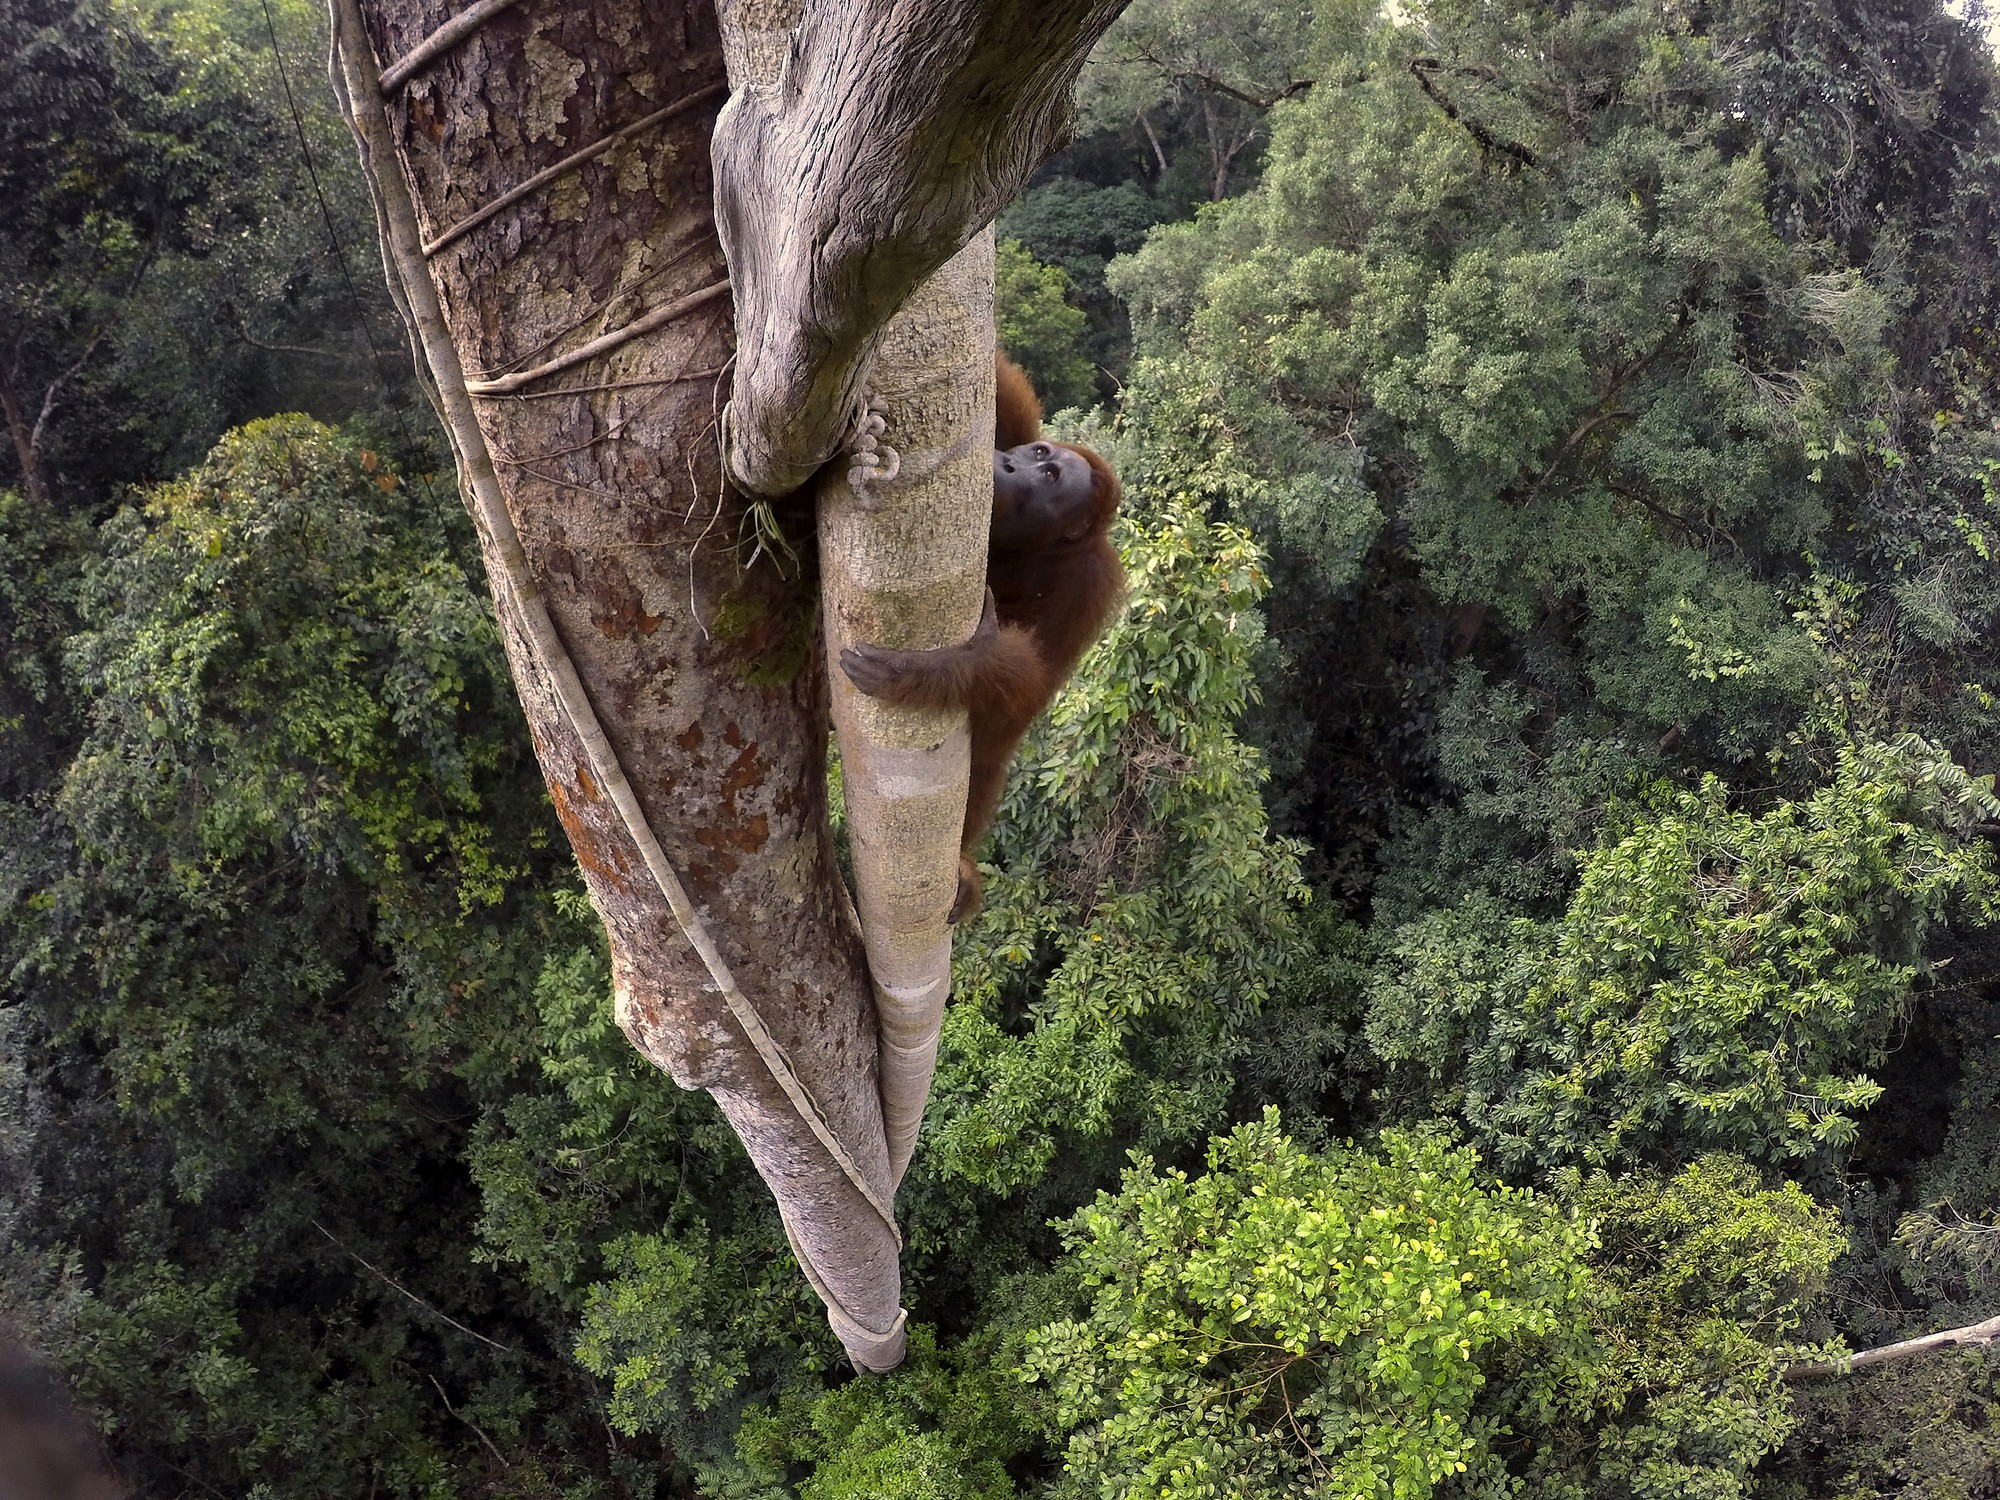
{"x": 1041, "y": 494}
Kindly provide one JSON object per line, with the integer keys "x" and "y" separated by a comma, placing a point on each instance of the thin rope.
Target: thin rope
{"x": 439, "y": 42}
{"x": 597, "y": 313}
{"x": 531, "y": 615}
{"x": 618, "y": 385}
{"x": 569, "y": 164}
{"x": 659, "y": 317}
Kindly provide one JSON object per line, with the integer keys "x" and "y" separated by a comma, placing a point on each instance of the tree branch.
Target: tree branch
{"x": 1153, "y": 140}
{"x": 1209, "y": 83}
{"x": 1421, "y": 68}
{"x": 1971, "y": 1336}
{"x": 54, "y": 389}
{"x": 845, "y": 174}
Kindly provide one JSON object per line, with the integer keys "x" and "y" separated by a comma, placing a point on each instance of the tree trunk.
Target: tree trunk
{"x": 1153, "y": 140}
{"x": 672, "y": 695}
{"x": 1218, "y": 161}
{"x": 904, "y": 565}
{"x": 845, "y": 178}
{"x": 27, "y": 447}
{"x": 541, "y": 179}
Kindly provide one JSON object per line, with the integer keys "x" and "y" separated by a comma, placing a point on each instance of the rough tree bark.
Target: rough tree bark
{"x": 542, "y": 180}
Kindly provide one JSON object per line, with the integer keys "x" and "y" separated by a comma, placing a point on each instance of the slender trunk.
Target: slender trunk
{"x": 1153, "y": 140}
{"x": 904, "y": 565}
{"x": 855, "y": 185}
{"x": 575, "y": 341}
{"x": 1218, "y": 161}
{"x": 27, "y": 451}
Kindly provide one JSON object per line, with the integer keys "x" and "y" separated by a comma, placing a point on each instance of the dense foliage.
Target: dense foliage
{"x": 1288, "y": 1326}
{"x": 1489, "y": 961}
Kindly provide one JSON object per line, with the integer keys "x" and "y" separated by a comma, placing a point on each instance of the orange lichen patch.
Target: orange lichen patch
{"x": 605, "y": 588}
{"x": 744, "y": 772}
{"x": 425, "y": 118}
{"x": 598, "y": 853}
{"x": 690, "y": 740}
{"x": 725, "y": 842}
{"x": 585, "y": 783}
{"x": 625, "y": 618}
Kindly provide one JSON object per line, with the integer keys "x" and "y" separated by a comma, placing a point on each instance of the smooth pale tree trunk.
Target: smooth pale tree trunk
{"x": 542, "y": 180}
{"x": 864, "y": 143}
{"x": 903, "y": 564}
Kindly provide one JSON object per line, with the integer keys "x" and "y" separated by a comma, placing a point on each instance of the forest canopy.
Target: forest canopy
{"x": 1484, "y": 969}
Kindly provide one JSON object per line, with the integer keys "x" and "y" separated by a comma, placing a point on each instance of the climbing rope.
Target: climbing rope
{"x": 439, "y": 42}
{"x": 567, "y": 165}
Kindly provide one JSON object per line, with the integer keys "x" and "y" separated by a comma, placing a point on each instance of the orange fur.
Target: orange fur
{"x": 1017, "y": 410}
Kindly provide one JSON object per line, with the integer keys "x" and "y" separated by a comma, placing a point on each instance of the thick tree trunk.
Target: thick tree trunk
{"x": 541, "y": 177}
{"x": 655, "y": 671}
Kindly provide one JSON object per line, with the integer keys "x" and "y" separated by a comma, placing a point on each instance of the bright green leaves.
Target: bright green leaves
{"x": 1722, "y": 978}
{"x": 938, "y": 1428}
{"x": 644, "y": 1333}
{"x": 1386, "y": 1323}
{"x": 1293, "y": 1325}
{"x": 1614, "y": 413}
{"x": 1142, "y": 903}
